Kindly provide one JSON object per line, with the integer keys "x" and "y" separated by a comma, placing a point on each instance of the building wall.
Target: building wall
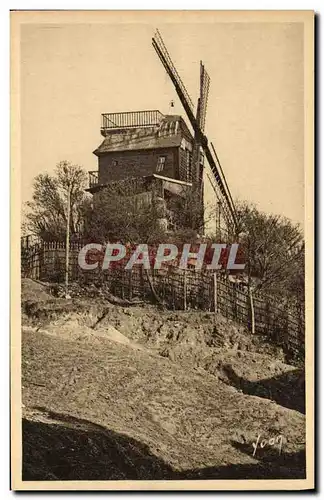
{"x": 136, "y": 164}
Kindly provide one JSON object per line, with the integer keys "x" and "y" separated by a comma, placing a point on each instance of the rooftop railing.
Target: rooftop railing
{"x": 130, "y": 119}
{"x": 93, "y": 178}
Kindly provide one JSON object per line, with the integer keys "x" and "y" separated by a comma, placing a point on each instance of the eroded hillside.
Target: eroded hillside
{"x": 114, "y": 392}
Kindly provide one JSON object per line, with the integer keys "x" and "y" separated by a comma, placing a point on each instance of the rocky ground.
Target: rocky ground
{"x": 136, "y": 392}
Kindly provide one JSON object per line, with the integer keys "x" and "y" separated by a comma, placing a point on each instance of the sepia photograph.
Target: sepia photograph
{"x": 162, "y": 316}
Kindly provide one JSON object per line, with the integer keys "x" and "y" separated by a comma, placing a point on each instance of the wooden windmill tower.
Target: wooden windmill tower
{"x": 201, "y": 148}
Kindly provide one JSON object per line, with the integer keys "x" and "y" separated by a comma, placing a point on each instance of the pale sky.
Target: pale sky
{"x": 70, "y": 74}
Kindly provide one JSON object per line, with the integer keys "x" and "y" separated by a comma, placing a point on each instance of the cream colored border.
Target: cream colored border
{"x": 22, "y": 17}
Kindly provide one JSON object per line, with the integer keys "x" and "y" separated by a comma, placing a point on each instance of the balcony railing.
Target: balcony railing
{"x": 93, "y": 178}
{"x": 130, "y": 119}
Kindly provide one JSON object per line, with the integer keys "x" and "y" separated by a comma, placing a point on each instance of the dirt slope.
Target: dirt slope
{"x": 117, "y": 393}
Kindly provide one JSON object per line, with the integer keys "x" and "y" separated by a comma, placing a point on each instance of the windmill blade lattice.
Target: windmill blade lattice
{"x": 198, "y": 124}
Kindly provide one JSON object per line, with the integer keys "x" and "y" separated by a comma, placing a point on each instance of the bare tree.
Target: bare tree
{"x": 274, "y": 248}
{"x": 46, "y": 214}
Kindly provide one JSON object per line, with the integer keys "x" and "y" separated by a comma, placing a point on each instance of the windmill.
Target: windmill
{"x": 201, "y": 120}
{"x": 197, "y": 120}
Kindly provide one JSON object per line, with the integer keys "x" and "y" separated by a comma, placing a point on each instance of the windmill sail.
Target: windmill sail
{"x": 201, "y": 120}
{"x": 203, "y": 99}
{"x": 198, "y": 124}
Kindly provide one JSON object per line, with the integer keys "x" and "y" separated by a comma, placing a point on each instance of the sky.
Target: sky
{"x": 71, "y": 73}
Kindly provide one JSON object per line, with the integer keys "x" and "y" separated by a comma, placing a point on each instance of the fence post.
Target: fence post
{"x": 234, "y": 302}
{"x": 130, "y": 285}
{"x": 267, "y": 317}
{"x": 43, "y": 254}
{"x": 215, "y": 293}
{"x": 141, "y": 283}
{"x": 185, "y": 290}
{"x": 67, "y": 244}
{"x": 173, "y": 290}
{"x": 37, "y": 266}
{"x": 124, "y": 284}
{"x": 252, "y": 311}
{"x": 299, "y": 318}
{"x": 286, "y": 332}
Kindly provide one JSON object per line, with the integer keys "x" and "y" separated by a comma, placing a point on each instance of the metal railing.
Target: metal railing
{"x": 93, "y": 178}
{"x": 131, "y": 119}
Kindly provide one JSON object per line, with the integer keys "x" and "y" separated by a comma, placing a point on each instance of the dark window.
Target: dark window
{"x": 160, "y": 163}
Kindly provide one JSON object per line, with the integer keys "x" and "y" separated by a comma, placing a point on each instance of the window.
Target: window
{"x": 160, "y": 164}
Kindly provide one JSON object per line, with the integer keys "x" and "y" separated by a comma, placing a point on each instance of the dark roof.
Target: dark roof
{"x": 168, "y": 134}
